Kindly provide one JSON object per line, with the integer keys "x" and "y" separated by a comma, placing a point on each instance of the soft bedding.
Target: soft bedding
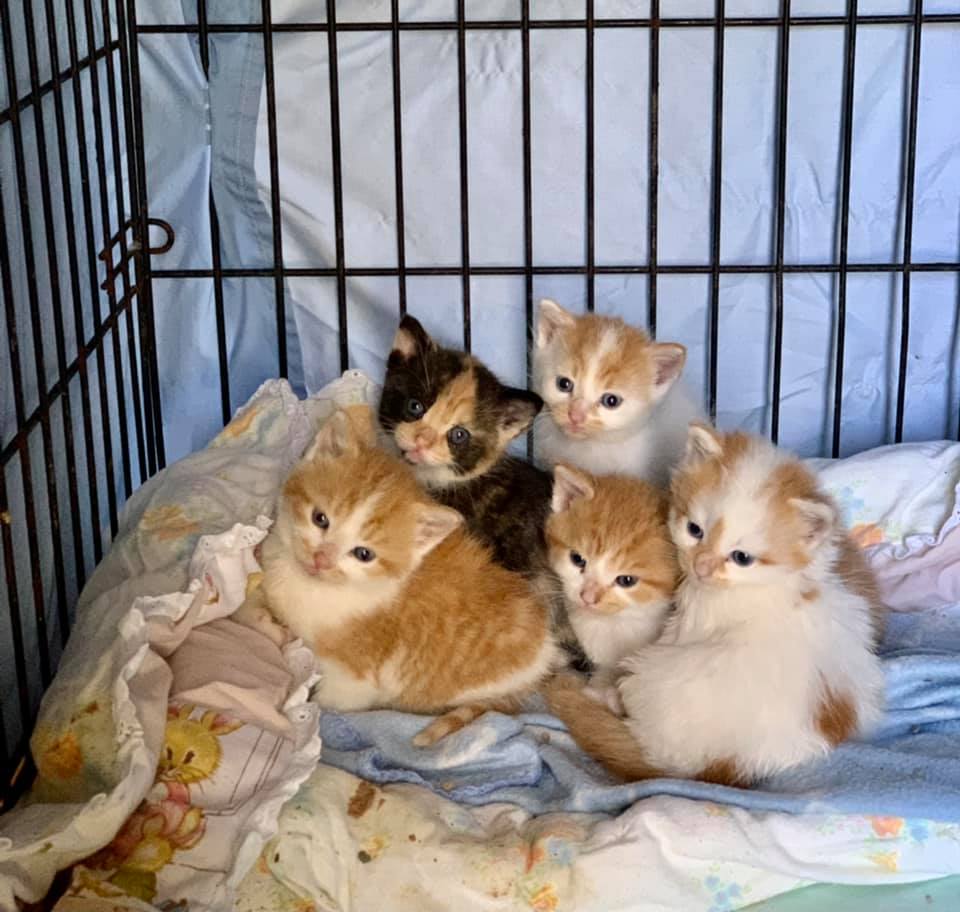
{"x": 506, "y": 814}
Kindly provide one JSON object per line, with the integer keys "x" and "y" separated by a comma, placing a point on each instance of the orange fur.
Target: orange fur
{"x": 853, "y": 569}
{"x": 454, "y": 630}
{"x": 836, "y": 717}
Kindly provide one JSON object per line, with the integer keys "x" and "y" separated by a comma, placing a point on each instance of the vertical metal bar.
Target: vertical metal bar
{"x": 715, "y": 207}
{"x": 16, "y": 624}
{"x": 653, "y": 164}
{"x": 79, "y": 329}
{"x": 590, "y": 176}
{"x": 849, "y": 81}
{"x": 909, "y": 180}
{"x": 398, "y": 154}
{"x": 781, "y": 195}
{"x": 225, "y": 411}
{"x": 97, "y": 106}
{"x": 120, "y": 204}
{"x": 56, "y": 300}
{"x": 29, "y": 261}
{"x": 527, "y": 195}
{"x": 337, "y": 181}
{"x": 141, "y": 406}
{"x": 156, "y": 454}
{"x": 464, "y": 179}
{"x": 271, "y": 91}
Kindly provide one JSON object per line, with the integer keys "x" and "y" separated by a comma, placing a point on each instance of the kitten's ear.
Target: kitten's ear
{"x": 818, "y": 519}
{"x": 517, "y": 410}
{"x": 668, "y": 361}
{"x": 551, "y": 318}
{"x": 338, "y": 436}
{"x": 703, "y": 442}
{"x": 411, "y": 339}
{"x": 569, "y": 486}
{"x": 434, "y": 524}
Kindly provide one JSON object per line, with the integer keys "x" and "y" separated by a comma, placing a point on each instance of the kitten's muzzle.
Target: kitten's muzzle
{"x": 705, "y": 565}
{"x": 324, "y": 558}
{"x": 591, "y": 594}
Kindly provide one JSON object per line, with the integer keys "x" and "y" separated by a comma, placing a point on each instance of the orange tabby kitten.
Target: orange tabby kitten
{"x": 610, "y": 546}
{"x": 403, "y": 609}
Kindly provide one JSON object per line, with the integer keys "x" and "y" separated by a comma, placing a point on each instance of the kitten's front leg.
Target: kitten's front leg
{"x": 340, "y": 689}
{"x": 255, "y": 614}
{"x": 603, "y": 688}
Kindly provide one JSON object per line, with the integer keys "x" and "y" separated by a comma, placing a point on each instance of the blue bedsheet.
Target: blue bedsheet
{"x": 910, "y": 766}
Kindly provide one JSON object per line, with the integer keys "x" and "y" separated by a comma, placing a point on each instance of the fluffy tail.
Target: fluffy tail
{"x": 598, "y": 731}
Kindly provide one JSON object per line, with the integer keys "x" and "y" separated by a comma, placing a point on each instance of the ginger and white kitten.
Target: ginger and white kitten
{"x": 769, "y": 659}
{"x": 612, "y": 401}
{"x": 403, "y": 609}
{"x": 610, "y": 547}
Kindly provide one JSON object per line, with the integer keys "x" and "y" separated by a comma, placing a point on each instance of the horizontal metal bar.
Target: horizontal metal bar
{"x": 45, "y": 88}
{"x": 59, "y": 388}
{"x": 517, "y": 24}
{"x": 626, "y": 269}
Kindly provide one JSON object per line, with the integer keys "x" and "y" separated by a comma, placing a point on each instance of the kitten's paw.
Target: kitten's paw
{"x": 608, "y": 695}
{"x": 254, "y": 615}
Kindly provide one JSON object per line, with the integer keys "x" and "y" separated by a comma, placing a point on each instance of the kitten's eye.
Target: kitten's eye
{"x": 414, "y": 408}
{"x": 741, "y": 558}
{"x": 610, "y": 400}
{"x": 626, "y": 581}
{"x": 458, "y": 435}
{"x": 564, "y": 384}
{"x": 364, "y": 555}
{"x": 188, "y": 756}
{"x": 694, "y": 530}
{"x": 169, "y": 755}
{"x": 577, "y": 560}
{"x": 320, "y": 519}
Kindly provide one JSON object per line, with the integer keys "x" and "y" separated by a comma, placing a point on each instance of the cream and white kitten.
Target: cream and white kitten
{"x": 769, "y": 659}
{"x": 612, "y": 400}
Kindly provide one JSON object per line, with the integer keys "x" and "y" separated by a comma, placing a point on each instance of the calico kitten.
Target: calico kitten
{"x": 613, "y": 404}
{"x": 769, "y": 659}
{"x": 403, "y": 608}
{"x": 611, "y": 549}
{"x": 452, "y": 420}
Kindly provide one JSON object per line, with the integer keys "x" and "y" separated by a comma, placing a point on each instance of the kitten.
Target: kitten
{"x": 769, "y": 659}
{"x": 613, "y": 404}
{"x": 611, "y": 549}
{"x": 452, "y": 420}
{"x": 403, "y": 609}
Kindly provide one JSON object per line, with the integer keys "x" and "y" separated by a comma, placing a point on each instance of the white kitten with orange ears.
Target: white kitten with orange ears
{"x": 612, "y": 400}
{"x": 769, "y": 659}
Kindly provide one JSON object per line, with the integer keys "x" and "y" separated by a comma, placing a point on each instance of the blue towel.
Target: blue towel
{"x": 910, "y": 767}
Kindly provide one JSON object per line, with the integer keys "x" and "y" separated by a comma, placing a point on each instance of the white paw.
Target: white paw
{"x": 608, "y": 695}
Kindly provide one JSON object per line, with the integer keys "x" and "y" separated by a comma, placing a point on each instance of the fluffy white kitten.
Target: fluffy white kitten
{"x": 612, "y": 403}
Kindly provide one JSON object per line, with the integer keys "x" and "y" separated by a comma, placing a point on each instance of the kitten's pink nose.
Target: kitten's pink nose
{"x": 591, "y": 594}
{"x": 323, "y": 557}
{"x": 705, "y": 565}
{"x": 577, "y": 412}
{"x": 425, "y": 437}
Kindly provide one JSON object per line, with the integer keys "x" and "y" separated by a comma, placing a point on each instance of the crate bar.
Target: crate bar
{"x": 546, "y": 24}
{"x": 142, "y": 405}
{"x": 266, "y": 15}
{"x": 398, "y": 154}
{"x": 156, "y": 453}
{"x": 55, "y": 82}
{"x": 6, "y": 533}
{"x": 590, "y": 154}
{"x": 336, "y": 162}
{"x": 121, "y": 238}
{"x": 716, "y": 187}
{"x": 225, "y": 410}
{"x": 39, "y": 605}
{"x": 111, "y": 293}
{"x": 464, "y": 179}
{"x": 56, "y": 299}
{"x": 849, "y": 80}
{"x": 781, "y": 196}
{"x": 653, "y": 164}
{"x": 527, "y": 138}
{"x": 619, "y": 269}
{"x": 909, "y": 179}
